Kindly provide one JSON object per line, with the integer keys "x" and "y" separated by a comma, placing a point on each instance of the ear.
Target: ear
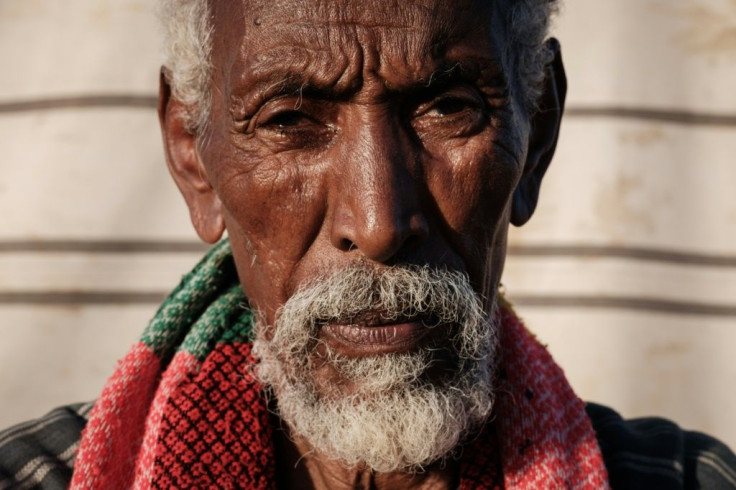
{"x": 185, "y": 165}
{"x": 545, "y": 128}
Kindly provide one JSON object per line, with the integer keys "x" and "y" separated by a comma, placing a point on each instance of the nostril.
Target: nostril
{"x": 346, "y": 245}
{"x": 413, "y": 242}
{"x": 419, "y": 230}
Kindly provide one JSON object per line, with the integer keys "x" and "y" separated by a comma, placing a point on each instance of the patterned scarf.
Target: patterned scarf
{"x": 183, "y": 410}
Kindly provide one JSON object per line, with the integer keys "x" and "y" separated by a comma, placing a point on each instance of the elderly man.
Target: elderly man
{"x": 365, "y": 161}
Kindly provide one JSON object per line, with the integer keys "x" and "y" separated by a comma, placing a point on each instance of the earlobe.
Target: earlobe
{"x": 185, "y": 165}
{"x": 545, "y": 129}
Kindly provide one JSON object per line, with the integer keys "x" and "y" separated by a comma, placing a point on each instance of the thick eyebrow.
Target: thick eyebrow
{"x": 287, "y": 82}
{"x": 280, "y": 83}
{"x": 287, "y": 71}
{"x": 482, "y": 71}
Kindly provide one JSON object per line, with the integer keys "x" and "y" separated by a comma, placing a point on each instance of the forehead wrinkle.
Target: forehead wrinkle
{"x": 288, "y": 57}
{"x": 437, "y": 47}
{"x": 382, "y": 13}
{"x": 324, "y": 46}
{"x": 348, "y": 23}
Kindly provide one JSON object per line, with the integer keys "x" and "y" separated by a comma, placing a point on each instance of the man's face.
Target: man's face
{"x": 343, "y": 134}
{"x": 366, "y": 163}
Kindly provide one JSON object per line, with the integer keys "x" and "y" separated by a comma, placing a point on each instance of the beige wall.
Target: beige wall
{"x": 628, "y": 271}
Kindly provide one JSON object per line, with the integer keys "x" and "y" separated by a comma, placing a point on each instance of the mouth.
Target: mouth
{"x": 372, "y": 334}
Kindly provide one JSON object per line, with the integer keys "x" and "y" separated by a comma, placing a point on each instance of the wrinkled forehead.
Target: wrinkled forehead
{"x": 394, "y": 38}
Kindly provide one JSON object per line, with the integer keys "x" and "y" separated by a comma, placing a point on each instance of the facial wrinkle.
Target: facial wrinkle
{"x": 346, "y": 13}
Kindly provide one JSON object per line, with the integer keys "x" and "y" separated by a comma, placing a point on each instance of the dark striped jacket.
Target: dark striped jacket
{"x": 640, "y": 454}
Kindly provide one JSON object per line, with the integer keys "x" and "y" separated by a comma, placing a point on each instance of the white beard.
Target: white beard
{"x": 395, "y": 418}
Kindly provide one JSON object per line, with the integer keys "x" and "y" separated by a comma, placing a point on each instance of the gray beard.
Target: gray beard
{"x": 396, "y": 418}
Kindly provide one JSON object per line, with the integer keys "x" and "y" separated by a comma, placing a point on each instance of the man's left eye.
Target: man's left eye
{"x": 458, "y": 112}
{"x": 449, "y": 106}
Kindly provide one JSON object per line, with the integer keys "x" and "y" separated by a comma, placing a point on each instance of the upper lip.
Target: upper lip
{"x": 377, "y": 318}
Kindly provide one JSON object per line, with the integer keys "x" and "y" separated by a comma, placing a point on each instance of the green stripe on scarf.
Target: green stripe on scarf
{"x": 206, "y": 308}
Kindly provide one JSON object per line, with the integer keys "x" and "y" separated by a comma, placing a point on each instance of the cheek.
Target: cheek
{"x": 273, "y": 212}
{"x": 472, "y": 182}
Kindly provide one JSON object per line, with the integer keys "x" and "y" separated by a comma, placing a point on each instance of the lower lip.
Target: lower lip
{"x": 374, "y": 339}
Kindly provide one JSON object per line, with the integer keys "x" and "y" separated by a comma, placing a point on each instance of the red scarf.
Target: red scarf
{"x": 183, "y": 410}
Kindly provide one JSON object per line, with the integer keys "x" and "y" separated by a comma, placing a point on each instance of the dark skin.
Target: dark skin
{"x": 340, "y": 134}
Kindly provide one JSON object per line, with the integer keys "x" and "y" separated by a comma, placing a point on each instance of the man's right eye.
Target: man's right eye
{"x": 284, "y": 127}
{"x": 286, "y": 119}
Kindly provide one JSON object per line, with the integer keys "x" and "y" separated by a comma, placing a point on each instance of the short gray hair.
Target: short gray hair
{"x": 188, "y": 45}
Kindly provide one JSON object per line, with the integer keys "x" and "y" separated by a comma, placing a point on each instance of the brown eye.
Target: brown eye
{"x": 283, "y": 127}
{"x": 286, "y": 120}
{"x": 458, "y": 112}
{"x": 449, "y": 106}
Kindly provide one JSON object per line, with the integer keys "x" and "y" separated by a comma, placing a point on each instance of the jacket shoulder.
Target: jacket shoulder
{"x": 40, "y": 453}
{"x": 651, "y": 452}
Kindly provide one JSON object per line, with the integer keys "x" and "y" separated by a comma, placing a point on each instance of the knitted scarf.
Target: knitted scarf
{"x": 183, "y": 410}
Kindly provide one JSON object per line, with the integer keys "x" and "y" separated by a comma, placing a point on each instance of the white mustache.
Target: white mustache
{"x": 362, "y": 294}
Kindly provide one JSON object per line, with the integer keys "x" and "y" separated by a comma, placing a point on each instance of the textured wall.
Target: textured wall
{"x": 628, "y": 271}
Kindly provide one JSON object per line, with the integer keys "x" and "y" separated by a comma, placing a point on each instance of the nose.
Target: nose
{"x": 377, "y": 203}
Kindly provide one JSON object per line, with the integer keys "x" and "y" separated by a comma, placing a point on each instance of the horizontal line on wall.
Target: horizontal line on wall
{"x": 658, "y": 115}
{"x": 103, "y": 246}
{"x": 621, "y": 252}
{"x": 149, "y": 102}
{"x": 81, "y": 102}
{"x": 77, "y": 298}
{"x": 623, "y": 303}
{"x": 193, "y": 246}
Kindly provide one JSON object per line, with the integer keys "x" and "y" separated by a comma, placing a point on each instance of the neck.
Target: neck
{"x": 299, "y": 466}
